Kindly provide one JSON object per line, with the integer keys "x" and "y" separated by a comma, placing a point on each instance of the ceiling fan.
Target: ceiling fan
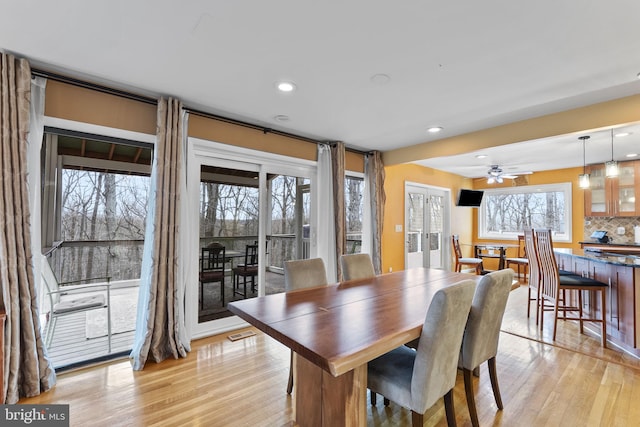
{"x": 496, "y": 174}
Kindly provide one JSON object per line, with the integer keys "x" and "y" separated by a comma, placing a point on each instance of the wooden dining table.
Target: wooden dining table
{"x": 335, "y": 330}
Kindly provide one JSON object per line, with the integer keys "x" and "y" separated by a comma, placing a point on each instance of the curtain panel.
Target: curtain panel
{"x": 374, "y": 182}
{"x": 338, "y": 166}
{"x": 160, "y": 326}
{"x": 325, "y": 234}
{"x": 27, "y": 370}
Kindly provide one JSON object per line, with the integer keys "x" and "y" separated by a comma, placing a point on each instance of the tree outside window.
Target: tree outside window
{"x": 506, "y": 212}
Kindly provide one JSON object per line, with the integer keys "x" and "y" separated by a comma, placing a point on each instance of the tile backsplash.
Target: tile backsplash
{"x": 611, "y": 225}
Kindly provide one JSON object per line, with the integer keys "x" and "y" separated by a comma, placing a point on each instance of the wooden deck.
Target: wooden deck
{"x": 71, "y": 347}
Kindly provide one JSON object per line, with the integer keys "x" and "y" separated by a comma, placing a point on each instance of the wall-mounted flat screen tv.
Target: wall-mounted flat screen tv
{"x": 471, "y": 198}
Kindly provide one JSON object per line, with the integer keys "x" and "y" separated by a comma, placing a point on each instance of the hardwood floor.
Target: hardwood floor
{"x": 222, "y": 383}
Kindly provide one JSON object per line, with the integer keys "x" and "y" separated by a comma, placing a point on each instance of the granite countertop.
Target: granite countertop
{"x": 629, "y": 244}
{"x": 602, "y": 256}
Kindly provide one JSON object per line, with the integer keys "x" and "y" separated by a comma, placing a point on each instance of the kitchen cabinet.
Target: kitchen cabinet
{"x": 613, "y": 196}
{"x": 622, "y": 299}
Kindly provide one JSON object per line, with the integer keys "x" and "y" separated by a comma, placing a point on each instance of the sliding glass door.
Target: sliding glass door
{"x": 244, "y": 201}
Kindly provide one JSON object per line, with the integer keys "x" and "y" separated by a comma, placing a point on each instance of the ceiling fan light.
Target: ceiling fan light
{"x": 584, "y": 180}
{"x": 491, "y": 180}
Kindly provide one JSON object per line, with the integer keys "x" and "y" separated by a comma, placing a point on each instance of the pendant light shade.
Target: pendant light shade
{"x": 611, "y": 167}
{"x": 584, "y": 180}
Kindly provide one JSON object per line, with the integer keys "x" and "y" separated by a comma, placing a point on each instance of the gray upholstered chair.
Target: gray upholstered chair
{"x": 356, "y": 266}
{"x": 417, "y": 379}
{"x": 300, "y": 274}
{"x": 480, "y": 340}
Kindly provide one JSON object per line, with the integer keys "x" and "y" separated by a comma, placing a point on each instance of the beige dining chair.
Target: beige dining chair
{"x": 481, "y": 335}
{"x": 300, "y": 274}
{"x": 357, "y": 266}
{"x": 417, "y": 379}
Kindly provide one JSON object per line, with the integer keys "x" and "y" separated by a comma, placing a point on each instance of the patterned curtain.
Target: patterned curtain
{"x": 27, "y": 370}
{"x": 160, "y": 327}
{"x": 337, "y": 164}
{"x": 374, "y": 181}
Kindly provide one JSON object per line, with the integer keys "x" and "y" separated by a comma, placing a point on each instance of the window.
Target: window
{"x": 94, "y": 205}
{"x": 353, "y": 205}
{"x": 506, "y": 212}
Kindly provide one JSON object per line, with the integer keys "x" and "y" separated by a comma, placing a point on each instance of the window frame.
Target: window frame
{"x": 564, "y": 187}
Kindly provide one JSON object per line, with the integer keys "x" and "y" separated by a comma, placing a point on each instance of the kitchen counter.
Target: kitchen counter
{"x": 600, "y": 255}
{"x": 621, "y": 272}
{"x": 632, "y": 248}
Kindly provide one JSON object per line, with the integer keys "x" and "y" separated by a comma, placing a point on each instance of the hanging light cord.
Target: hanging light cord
{"x": 612, "y": 144}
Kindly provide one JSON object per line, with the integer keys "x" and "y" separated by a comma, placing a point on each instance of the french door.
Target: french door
{"x": 427, "y": 225}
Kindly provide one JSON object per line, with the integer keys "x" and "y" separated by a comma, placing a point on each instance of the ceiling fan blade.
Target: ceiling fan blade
{"x": 514, "y": 175}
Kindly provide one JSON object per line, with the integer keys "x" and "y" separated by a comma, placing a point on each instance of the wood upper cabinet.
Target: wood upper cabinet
{"x": 613, "y": 196}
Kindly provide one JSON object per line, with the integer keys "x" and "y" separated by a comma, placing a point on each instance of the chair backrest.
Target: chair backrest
{"x": 251, "y": 256}
{"x": 534, "y": 263}
{"x": 522, "y": 249}
{"x": 549, "y": 273}
{"x": 436, "y": 363}
{"x": 357, "y": 266}
{"x": 212, "y": 258}
{"x": 304, "y": 273}
{"x": 456, "y": 246}
{"x": 49, "y": 281}
{"x": 481, "y": 335}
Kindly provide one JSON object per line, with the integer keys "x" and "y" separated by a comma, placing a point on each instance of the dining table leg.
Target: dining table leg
{"x": 324, "y": 400}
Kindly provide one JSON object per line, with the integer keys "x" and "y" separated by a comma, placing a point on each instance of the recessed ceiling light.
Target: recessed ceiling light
{"x": 621, "y": 134}
{"x": 281, "y": 118}
{"x": 380, "y": 79}
{"x": 286, "y": 86}
{"x": 632, "y": 155}
{"x": 481, "y": 156}
{"x": 434, "y": 129}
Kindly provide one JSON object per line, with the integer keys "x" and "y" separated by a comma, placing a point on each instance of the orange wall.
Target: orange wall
{"x": 71, "y": 102}
{"x": 396, "y": 176}
{"x": 67, "y": 101}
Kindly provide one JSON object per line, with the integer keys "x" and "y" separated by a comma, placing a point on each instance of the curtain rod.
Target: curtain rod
{"x": 94, "y": 86}
{"x": 148, "y": 100}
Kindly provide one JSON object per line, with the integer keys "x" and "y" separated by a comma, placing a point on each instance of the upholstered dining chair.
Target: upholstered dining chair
{"x": 300, "y": 274}
{"x": 417, "y": 379}
{"x": 481, "y": 335}
{"x": 520, "y": 260}
{"x": 357, "y": 266}
{"x": 476, "y": 263}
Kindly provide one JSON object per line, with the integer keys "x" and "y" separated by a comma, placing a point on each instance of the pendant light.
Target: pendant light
{"x": 611, "y": 167}
{"x": 583, "y": 178}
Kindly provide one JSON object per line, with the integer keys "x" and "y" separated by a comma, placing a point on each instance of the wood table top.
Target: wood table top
{"x": 341, "y": 326}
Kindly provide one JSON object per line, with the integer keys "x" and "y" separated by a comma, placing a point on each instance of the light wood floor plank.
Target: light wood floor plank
{"x": 222, "y": 383}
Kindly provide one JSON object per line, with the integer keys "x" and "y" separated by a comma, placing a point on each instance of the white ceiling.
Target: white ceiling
{"x": 464, "y": 65}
